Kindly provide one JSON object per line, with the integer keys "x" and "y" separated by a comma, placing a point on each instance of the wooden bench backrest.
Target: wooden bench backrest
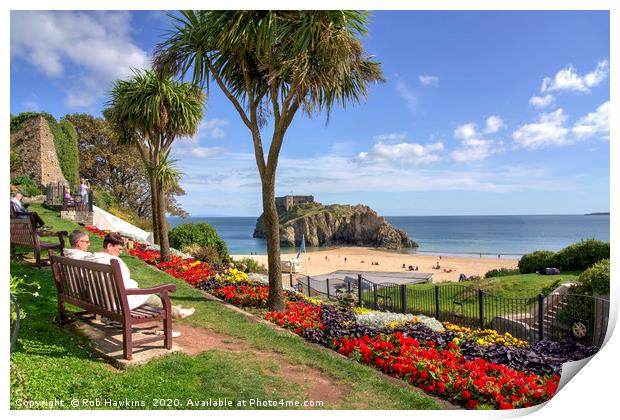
{"x": 23, "y": 232}
{"x": 93, "y": 286}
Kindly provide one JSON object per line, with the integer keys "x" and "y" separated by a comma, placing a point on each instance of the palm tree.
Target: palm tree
{"x": 150, "y": 112}
{"x": 272, "y": 63}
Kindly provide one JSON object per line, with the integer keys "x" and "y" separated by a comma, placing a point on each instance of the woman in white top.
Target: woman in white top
{"x": 112, "y": 248}
{"x": 83, "y": 192}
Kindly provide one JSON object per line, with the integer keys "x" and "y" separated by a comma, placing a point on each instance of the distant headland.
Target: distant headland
{"x": 597, "y": 214}
{"x": 334, "y": 224}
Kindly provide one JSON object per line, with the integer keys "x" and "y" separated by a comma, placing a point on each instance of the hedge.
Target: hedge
{"x": 536, "y": 261}
{"x": 581, "y": 255}
{"x": 202, "y": 234}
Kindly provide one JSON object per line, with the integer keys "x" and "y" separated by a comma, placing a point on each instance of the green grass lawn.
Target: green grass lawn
{"x": 51, "y": 362}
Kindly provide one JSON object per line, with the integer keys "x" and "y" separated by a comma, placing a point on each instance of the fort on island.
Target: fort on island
{"x": 287, "y": 202}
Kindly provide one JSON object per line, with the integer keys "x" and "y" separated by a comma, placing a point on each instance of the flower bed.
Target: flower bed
{"x": 445, "y": 372}
{"x": 464, "y": 366}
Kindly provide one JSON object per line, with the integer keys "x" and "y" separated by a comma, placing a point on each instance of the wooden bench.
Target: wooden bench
{"x": 24, "y": 233}
{"x": 99, "y": 289}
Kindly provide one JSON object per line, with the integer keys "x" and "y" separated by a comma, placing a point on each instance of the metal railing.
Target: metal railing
{"x": 56, "y": 195}
{"x": 555, "y": 317}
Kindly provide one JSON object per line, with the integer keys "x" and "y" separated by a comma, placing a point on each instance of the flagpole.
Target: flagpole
{"x": 306, "y": 258}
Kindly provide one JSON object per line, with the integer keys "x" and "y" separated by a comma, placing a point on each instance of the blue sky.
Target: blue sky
{"x": 481, "y": 113}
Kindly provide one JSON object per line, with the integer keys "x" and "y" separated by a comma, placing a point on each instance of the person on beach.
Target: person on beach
{"x": 113, "y": 245}
{"x": 79, "y": 245}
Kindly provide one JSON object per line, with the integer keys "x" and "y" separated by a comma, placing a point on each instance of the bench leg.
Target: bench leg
{"x": 127, "y": 341}
{"x": 62, "y": 312}
{"x": 168, "y": 331}
{"x": 37, "y": 257}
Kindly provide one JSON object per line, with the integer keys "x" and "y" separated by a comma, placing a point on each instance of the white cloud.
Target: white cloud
{"x": 212, "y": 129}
{"x": 88, "y": 50}
{"x": 412, "y": 153}
{"x": 567, "y": 79}
{"x": 407, "y": 95}
{"x": 549, "y": 130}
{"x": 237, "y": 172}
{"x": 428, "y": 80}
{"x": 465, "y": 131}
{"x": 494, "y": 124}
{"x": 199, "y": 152}
{"x": 31, "y": 106}
{"x": 391, "y": 137}
{"x": 541, "y": 102}
{"x": 595, "y": 123}
{"x": 473, "y": 150}
{"x": 473, "y": 144}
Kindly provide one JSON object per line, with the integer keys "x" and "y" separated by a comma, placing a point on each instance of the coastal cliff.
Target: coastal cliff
{"x": 336, "y": 224}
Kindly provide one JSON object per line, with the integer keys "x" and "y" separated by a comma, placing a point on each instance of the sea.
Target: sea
{"x": 488, "y": 236}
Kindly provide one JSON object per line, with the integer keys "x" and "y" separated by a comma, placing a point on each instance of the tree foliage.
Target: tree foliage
{"x": 149, "y": 111}
{"x": 115, "y": 171}
{"x": 271, "y": 64}
{"x": 201, "y": 234}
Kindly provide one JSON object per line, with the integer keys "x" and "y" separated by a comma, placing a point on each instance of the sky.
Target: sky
{"x": 481, "y": 112}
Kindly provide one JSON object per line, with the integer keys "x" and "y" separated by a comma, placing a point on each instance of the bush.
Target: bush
{"x": 249, "y": 265}
{"x": 595, "y": 280}
{"x": 550, "y": 288}
{"x": 202, "y": 234}
{"x": 102, "y": 198}
{"x": 66, "y": 143}
{"x": 501, "y": 272}
{"x": 207, "y": 254}
{"x": 536, "y": 261}
{"x": 26, "y": 186}
{"x": 580, "y": 256}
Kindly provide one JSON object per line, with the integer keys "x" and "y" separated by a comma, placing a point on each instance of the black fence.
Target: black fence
{"x": 58, "y": 194}
{"x": 559, "y": 316}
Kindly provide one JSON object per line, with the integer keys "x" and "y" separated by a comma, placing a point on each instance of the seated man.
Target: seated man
{"x": 112, "y": 248}
{"x": 18, "y": 208}
{"x": 79, "y": 245}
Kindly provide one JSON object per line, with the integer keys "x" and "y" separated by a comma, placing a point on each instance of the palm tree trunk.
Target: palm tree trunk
{"x": 154, "y": 209}
{"x": 272, "y": 232}
{"x": 163, "y": 224}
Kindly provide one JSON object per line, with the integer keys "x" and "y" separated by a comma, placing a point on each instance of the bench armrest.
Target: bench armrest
{"x": 50, "y": 233}
{"x": 152, "y": 290}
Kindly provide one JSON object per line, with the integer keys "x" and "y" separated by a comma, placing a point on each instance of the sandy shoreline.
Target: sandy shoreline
{"x": 359, "y": 258}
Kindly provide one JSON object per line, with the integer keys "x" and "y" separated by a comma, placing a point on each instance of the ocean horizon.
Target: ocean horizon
{"x": 508, "y": 236}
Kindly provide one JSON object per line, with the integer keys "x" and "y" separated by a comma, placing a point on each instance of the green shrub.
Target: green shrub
{"x": 581, "y": 255}
{"x": 66, "y": 143}
{"x": 26, "y": 186}
{"x": 595, "y": 280}
{"x": 536, "y": 261}
{"x": 207, "y": 254}
{"x": 548, "y": 289}
{"x": 249, "y": 265}
{"x": 501, "y": 272}
{"x": 202, "y": 234}
{"x": 102, "y": 198}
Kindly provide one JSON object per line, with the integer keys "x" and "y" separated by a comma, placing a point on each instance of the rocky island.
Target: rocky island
{"x": 332, "y": 225}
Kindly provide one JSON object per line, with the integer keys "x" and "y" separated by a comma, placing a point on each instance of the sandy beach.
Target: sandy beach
{"x": 359, "y": 258}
